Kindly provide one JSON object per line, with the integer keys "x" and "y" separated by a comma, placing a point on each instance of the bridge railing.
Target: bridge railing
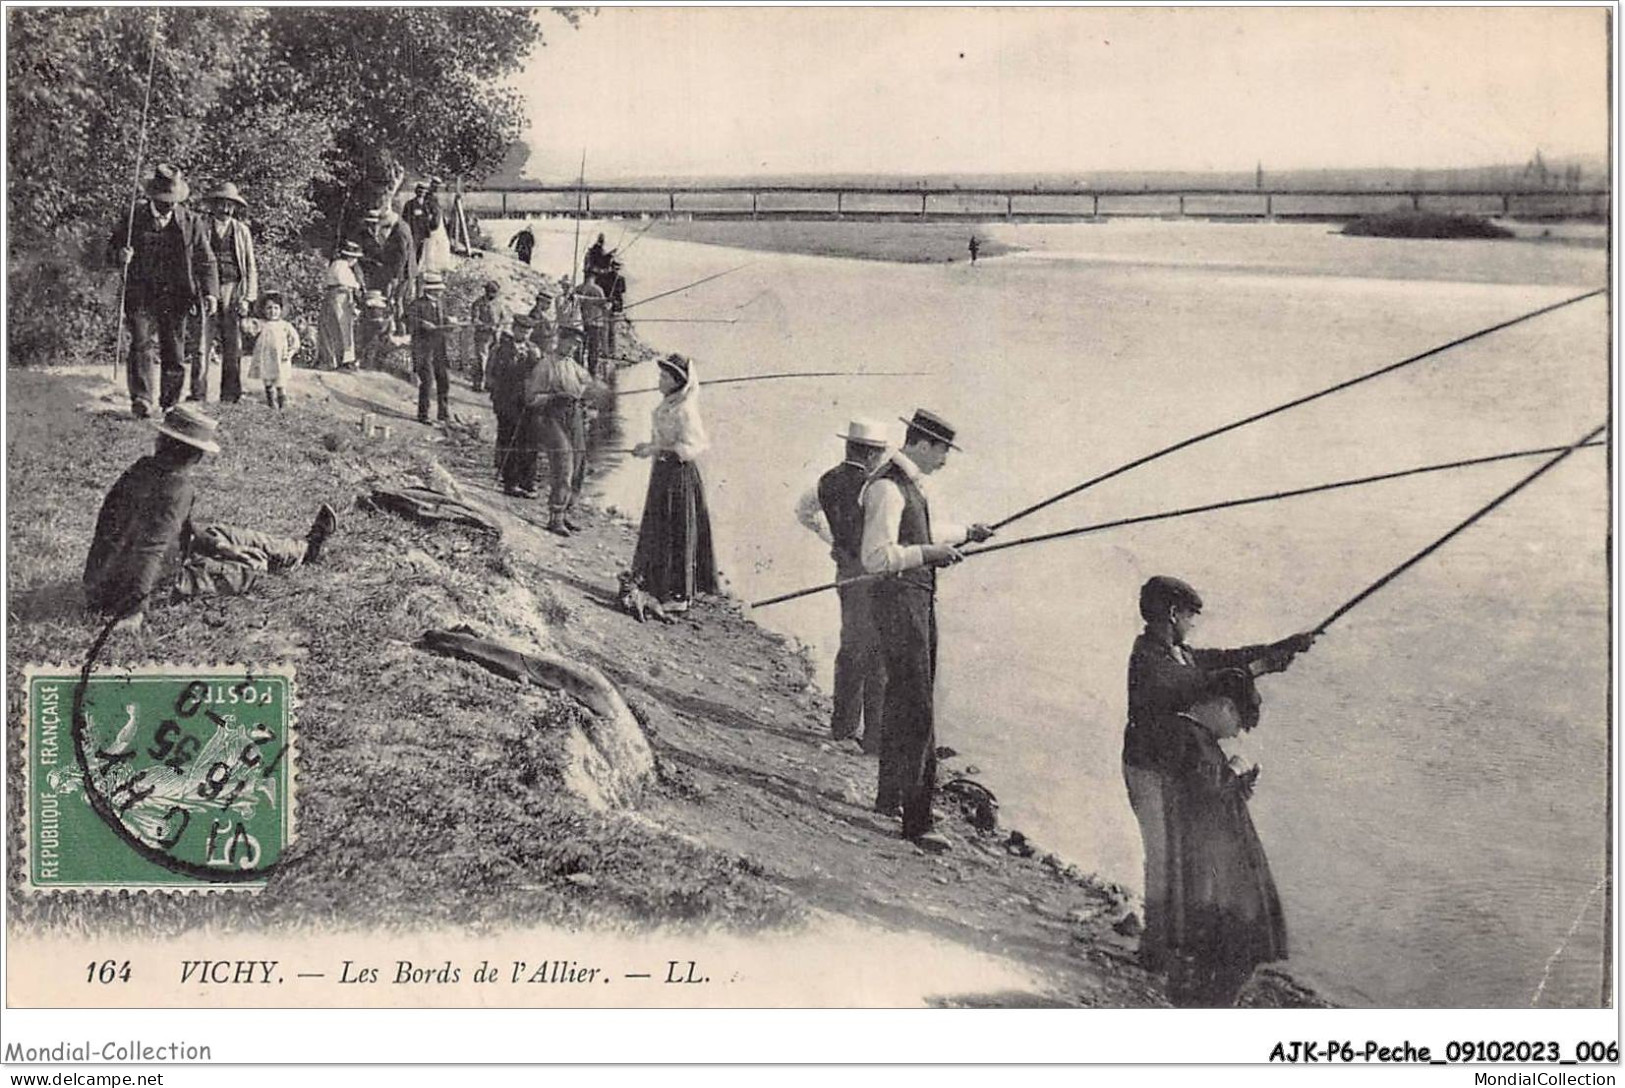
{"x": 837, "y": 202}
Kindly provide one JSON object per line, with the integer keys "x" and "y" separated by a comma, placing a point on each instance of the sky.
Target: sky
{"x": 740, "y": 91}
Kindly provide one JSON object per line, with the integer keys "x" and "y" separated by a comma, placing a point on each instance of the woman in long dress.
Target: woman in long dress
{"x": 674, "y": 558}
{"x": 1224, "y": 915}
{"x": 335, "y": 332}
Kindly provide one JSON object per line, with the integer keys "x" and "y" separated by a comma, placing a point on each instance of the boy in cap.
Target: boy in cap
{"x": 833, "y": 512}
{"x": 430, "y": 324}
{"x": 1167, "y": 678}
{"x": 904, "y": 544}
{"x": 489, "y": 317}
{"x": 169, "y": 268}
{"x": 145, "y": 522}
{"x": 553, "y": 421}
{"x": 544, "y": 323}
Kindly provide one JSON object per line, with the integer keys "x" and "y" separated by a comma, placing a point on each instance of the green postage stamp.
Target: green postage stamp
{"x": 158, "y": 778}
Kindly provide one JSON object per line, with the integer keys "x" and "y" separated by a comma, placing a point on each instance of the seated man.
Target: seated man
{"x": 146, "y": 520}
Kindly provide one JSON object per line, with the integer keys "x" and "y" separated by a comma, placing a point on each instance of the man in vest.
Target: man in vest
{"x": 831, "y": 510}
{"x": 235, "y": 268}
{"x": 903, "y": 544}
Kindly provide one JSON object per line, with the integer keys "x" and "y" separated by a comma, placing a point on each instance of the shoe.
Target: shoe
{"x": 556, "y": 526}
{"x": 932, "y": 842}
{"x": 197, "y": 399}
{"x": 571, "y": 524}
{"x": 140, "y": 410}
{"x": 676, "y": 606}
{"x": 425, "y": 421}
{"x": 325, "y": 525}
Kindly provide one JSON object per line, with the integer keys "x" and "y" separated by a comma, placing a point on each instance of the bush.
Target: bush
{"x": 63, "y": 306}
{"x": 1416, "y": 224}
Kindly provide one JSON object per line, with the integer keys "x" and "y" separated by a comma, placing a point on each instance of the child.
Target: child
{"x": 278, "y": 343}
{"x": 372, "y": 333}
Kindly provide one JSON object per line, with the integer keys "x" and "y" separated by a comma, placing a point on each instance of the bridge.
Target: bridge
{"x": 992, "y": 202}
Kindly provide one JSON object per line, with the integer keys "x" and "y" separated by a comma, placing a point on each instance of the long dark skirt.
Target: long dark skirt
{"x": 674, "y": 558}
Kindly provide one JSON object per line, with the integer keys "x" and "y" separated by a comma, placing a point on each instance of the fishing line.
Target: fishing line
{"x": 1328, "y": 391}
{"x": 792, "y": 374}
{"x": 685, "y": 287}
{"x": 1348, "y": 606}
{"x": 1227, "y": 504}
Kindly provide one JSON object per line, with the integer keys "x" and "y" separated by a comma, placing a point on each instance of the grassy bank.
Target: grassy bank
{"x": 868, "y": 240}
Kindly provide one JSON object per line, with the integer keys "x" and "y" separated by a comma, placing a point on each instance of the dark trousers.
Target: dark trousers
{"x": 432, "y": 365}
{"x": 506, "y": 426}
{"x": 578, "y": 445}
{"x": 906, "y": 617}
{"x": 163, "y": 320}
{"x": 556, "y": 434}
{"x": 226, "y": 328}
{"x": 482, "y": 353}
{"x": 860, "y": 669}
{"x": 524, "y": 440}
{"x": 595, "y": 350}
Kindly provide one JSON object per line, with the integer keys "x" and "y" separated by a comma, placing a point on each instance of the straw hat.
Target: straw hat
{"x": 167, "y": 183}
{"x": 227, "y": 190}
{"x": 350, "y": 250}
{"x": 433, "y": 281}
{"x": 864, "y": 432}
{"x": 934, "y": 426}
{"x": 185, "y": 423}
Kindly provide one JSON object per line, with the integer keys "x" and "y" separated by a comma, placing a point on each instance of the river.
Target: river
{"x": 1434, "y": 771}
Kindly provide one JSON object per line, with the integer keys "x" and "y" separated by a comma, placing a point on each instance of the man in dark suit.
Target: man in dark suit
{"x": 904, "y": 544}
{"x": 169, "y": 267}
{"x": 832, "y": 511}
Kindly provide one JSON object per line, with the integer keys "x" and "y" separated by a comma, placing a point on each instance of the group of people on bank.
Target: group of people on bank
{"x": 1212, "y": 913}
{"x": 1211, "y": 909}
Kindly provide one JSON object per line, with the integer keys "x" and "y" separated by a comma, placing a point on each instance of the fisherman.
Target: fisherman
{"x": 615, "y": 291}
{"x": 505, "y": 379}
{"x": 145, "y": 522}
{"x": 544, "y": 320}
{"x": 489, "y": 317}
{"x": 523, "y": 243}
{"x": 431, "y": 325}
{"x": 422, "y": 215}
{"x": 975, "y": 248}
{"x": 553, "y": 391}
{"x": 595, "y": 319}
{"x": 567, "y": 309}
{"x": 832, "y": 511}
{"x": 596, "y": 261}
{"x": 235, "y": 268}
{"x": 1165, "y": 678}
{"x": 388, "y": 258}
{"x": 903, "y": 543}
{"x": 169, "y": 267}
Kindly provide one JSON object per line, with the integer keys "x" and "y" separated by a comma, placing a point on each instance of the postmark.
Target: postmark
{"x": 158, "y": 777}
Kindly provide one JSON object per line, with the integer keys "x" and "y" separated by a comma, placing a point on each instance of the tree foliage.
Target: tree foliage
{"x": 288, "y": 103}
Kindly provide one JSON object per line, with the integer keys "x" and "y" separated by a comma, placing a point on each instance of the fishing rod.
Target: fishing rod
{"x": 1328, "y": 391}
{"x": 135, "y": 197}
{"x": 653, "y": 219}
{"x": 686, "y": 286}
{"x": 581, "y": 189}
{"x": 793, "y": 374}
{"x": 1210, "y": 507}
{"x": 1348, "y": 606}
{"x": 685, "y": 320}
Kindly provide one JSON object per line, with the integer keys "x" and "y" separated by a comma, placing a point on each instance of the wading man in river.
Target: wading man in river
{"x": 832, "y": 511}
{"x": 1166, "y": 678}
{"x": 904, "y": 544}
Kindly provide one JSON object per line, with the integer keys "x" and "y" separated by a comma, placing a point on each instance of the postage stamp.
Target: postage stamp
{"x": 158, "y": 777}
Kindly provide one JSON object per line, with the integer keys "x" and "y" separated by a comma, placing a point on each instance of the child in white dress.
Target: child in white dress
{"x": 274, "y": 351}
